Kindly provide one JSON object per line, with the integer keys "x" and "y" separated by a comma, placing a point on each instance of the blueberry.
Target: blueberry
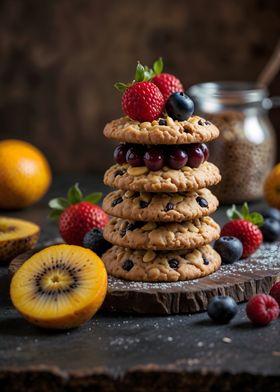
{"x": 127, "y": 265}
{"x": 169, "y": 206}
{"x": 179, "y": 106}
{"x": 271, "y": 213}
{"x": 222, "y": 309}
{"x": 95, "y": 241}
{"x": 202, "y": 202}
{"x": 270, "y": 230}
{"x": 229, "y": 248}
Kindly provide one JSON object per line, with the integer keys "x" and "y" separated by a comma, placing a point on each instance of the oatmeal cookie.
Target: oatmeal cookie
{"x": 160, "y": 207}
{"x": 161, "y": 236}
{"x": 162, "y": 131}
{"x": 165, "y": 180}
{"x": 150, "y": 266}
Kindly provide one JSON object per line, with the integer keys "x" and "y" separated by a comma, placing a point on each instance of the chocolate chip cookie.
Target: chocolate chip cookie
{"x": 160, "y": 236}
{"x": 160, "y": 207}
{"x": 162, "y": 131}
{"x": 150, "y": 266}
{"x": 165, "y": 180}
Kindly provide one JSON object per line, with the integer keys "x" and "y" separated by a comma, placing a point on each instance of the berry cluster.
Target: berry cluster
{"x": 155, "y": 157}
{"x": 153, "y": 92}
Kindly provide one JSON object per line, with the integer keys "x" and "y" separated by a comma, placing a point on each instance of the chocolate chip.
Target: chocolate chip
{"x": 169, "y": 206}
{"x": 120, "y": 172}
{"x": 134, "y": 225}
{"x": 117, "y": 201}
{"x": 161, "y": 121}
{"x": 128, "y": 265}
{"x": 143, "y": 204}
{"x": 200, "y": 122}
{"x": 122, "y": 232}
{"x": 173, "y": 263}
{"x": 202, "y": 202}
{"x": 205, "y": 260}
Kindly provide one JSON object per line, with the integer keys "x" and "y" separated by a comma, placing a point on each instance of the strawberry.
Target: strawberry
{"x": 77, "y": 215}
{"x": 244, "y": 226}
{"x": 168, "y": 84}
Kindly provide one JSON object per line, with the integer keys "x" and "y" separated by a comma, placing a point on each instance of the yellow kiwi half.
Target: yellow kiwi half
{"x": 60, "y": 287}
{"x": 16, "y": 236}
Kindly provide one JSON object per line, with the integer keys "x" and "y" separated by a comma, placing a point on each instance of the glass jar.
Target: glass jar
{"x": 246, "y": 149}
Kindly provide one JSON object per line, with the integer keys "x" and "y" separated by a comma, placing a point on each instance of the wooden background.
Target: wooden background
{"x": 60, "y": 58}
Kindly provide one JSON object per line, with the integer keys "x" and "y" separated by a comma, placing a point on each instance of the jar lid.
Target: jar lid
{"x": 229, "y": 93}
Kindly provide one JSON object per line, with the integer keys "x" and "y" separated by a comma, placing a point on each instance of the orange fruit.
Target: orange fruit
{"x": 60, "y": 287}
{"x": 272, "y": 187}
{"x": 25, "y": 174}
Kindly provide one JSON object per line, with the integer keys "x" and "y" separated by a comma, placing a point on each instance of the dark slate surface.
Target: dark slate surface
{"x": 122, "y": 353}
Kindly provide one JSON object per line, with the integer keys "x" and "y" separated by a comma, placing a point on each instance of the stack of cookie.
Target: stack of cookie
{"x": 161, "y": 228}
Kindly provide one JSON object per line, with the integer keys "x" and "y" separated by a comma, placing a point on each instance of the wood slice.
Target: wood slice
{"x": 240, "y": 280}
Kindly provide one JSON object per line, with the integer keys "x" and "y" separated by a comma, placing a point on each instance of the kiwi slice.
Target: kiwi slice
{"x": 16, "y": 236}
{"x": 60, "y": 287}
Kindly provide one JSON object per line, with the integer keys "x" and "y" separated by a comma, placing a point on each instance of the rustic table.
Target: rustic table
{"x": 133, "y": 353}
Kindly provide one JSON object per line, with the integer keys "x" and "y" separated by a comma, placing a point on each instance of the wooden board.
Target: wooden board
{"x": 240, "y": 280}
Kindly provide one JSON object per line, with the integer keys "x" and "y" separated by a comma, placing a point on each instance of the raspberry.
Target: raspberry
{"x": 262, "y": 309}
{"x": 275, "y": 292}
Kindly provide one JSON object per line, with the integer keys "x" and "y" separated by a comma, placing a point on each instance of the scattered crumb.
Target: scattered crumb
{"x": 169, "y": 339}
{"x": 227, "y": 340}
{"x": 18, "y": 349}
{"x": 200, "y": 344}
{"x": 276, "y": 353}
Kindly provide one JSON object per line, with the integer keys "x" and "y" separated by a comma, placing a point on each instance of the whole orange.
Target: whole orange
{"x": 25, "y": 174}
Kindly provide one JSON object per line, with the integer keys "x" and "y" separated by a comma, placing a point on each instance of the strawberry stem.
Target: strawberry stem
{"x": 254, "y": 217}
{"x": 74, "y": 196}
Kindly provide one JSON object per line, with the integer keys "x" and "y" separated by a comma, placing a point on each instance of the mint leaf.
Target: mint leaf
{"x": 140, "y": 73}
{"x": 158, "y": 66}
{"x": 74, "y": 194}
{"x": 232, "y": 213}
{"x": 245, "y": 211}
{"x": 55, "y": 214}
{"x": 120, "y": 86}
{"x": 59, "y": 203}
{"x": 93, "y": 197}
{"x": 256, "y": 218}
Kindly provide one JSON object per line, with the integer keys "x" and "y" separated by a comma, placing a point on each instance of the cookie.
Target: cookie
{"x": 149, "y": 266}
{"x": 162, "y": 131}
{"x": 165, "y": 180}
{"x": 160, "y": 207}
{"x": 161, "y": 236}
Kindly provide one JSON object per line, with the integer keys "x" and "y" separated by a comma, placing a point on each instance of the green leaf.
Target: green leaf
{"x": 245, "y": 211}
{"x": 93, "y": 197}
{"x": 256, "y": 218}
{"x": 120, "y": 86}
{"x": 74, "y": 194}
{"x": 140, "y": 73}
{"x": 59, "y": 203}
{"x": 233, "y": 213}
{"x": 55, "y": 214}
{"x": 158, "y": 66}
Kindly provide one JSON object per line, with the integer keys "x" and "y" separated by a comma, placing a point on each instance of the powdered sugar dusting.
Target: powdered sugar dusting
{"x": 265, "y": 259}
